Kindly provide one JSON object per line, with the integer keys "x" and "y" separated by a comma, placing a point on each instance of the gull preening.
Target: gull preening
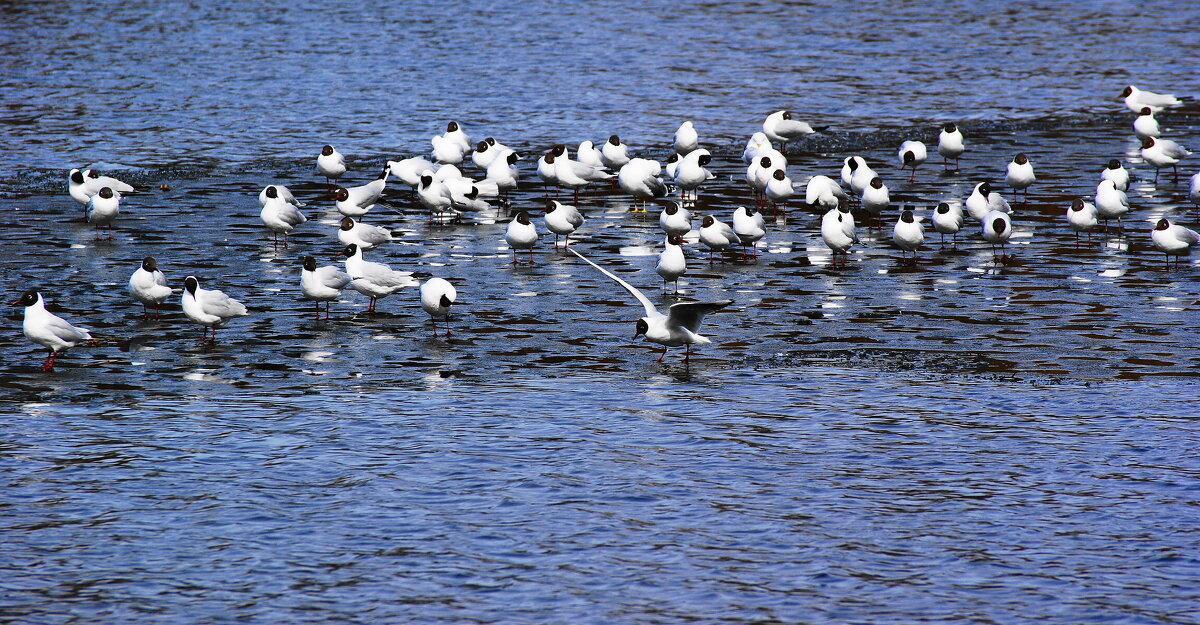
{"x": 681, "y": 324}
{"x": 912, "y": 155}
{"x": 280, "y": 217}
{"x": 997, "y": 229}
{"x": 562, "y": 219}
{"x": 838, "y": 233}
{"x": 1111, "y": 203}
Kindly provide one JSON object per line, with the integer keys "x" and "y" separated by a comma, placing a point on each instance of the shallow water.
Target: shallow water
{"x": 956, "y": 441}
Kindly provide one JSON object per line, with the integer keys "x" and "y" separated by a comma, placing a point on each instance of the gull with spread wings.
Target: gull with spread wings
{"x": 678, "y": 327}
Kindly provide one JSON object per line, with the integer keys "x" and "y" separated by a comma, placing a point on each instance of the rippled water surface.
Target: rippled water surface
{"x": 956, "y": 441}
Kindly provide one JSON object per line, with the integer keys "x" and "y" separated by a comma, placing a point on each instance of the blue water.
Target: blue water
{"x": 957, "y": 441}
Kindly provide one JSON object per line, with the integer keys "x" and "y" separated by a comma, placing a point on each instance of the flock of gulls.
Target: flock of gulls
{"x": 441, "y": 188}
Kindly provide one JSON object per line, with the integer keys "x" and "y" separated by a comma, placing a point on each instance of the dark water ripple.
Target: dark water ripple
{"x": 953, "y": 442}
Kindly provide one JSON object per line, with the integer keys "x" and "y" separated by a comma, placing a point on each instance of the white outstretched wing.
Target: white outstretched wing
{"x": 650, "y": 310}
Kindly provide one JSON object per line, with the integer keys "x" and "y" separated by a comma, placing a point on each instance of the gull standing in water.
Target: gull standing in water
{"x": 912, "y": 155}
{"x": 48, "y": 329}
{"x": 681, "y": 324}
{"x": 909, "y": 234}
{"x": 437, "y": 296}
{"x": 1111, "y": 203}
{"x": 1019, "y": 175}
{"x": 779, "y": 126}
{"x": 1173, "y": 240}
{"x": 280, "y": 217}
{"x": 639, "y": 178}
{"x": 375, "y": 280}
{"x": 950, "y": 145}
{"x": 749, "y": 225}
{"x": 521, "y": 234}
{"x": 102, "y": 209}
{"x": 837, "y": 237}
{"x": 562, "y": 219}
{"x": 691, "y": 173}
{"x": 363, "y": 235}
{"x": 148, "y": 286}
{"x": 209, "y": 308}
{"x": 717, "y": 236}
{"x": 672, "y": 263}
{"x": 948, "y": 219}
{"x": 1163, "y": 152}
{"x": 322, "y": 284}
{"x": 331, "y": 164}
{"x": 1082, "y": 217}
{"x": 997, "y": 229}
{"x": 1144, "y": 125}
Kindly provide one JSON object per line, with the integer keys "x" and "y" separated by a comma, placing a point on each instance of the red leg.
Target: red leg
{"x": 660, "y": 357}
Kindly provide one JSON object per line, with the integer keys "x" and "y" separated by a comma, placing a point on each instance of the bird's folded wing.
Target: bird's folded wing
{"x": 221, "y": 305}
{"x": 66, "y": 331}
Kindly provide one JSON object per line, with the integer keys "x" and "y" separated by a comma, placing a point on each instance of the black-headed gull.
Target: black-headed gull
{"x": 717, "y": 235}
{"x": 1161, "y": 153}
{"x": 409, "y": 170}
{"x": 671, "y": 165}
{"x": 1019, "y": 175}
{"x": 639, "y": 178}
{"x": 209, "y": 308}
{"x": 1111, "y": 203}
{"x": 434, "y": 196}
{"x": 571, "y": 173}
{"x": 983, "y": 200}
{"x": 779, "y": 126}
{"x": 950, "y": 144}
{"x": 1117, "y": 173}
{"x": 1136, "y": 99}
{"x": 823, "y": 192}
{"x": 779, "y": 190}
{"x": 102, "y": 209}
{"x": 148, "y": 286}
{"x": 503, "y": 173}
{"x": 912, "y": 155}
{"x": 281, "y": 218}
{"x": 681, "y": 324}
{"x": 375, "y": 280}
{"x": 363, "y": 235}
{"x": 948, "y": 219}
{"x": 850, "y": 164}
{"x": 521, "y": 234}
{"x": 77, "y": 187}
{"x": 48, "y": 329}
{"x": 1194, "y": 189}
{"x": 997, "y": 229}
{"x": 875, "y": 200}
{"x": 691, "y": 173}
{"x": 908, "y": 234}
{"x": 836, "y": 236}
{"x": 750, "y": 226}
{"x": 1173, "y": 240}
{"x": 356, "y": 201}
{"x": 675, "y": 219}
{"x": 437, "y": 296}
{"x": 1082, "y": 217}
{"x": 861, "y": 176}
{"x": 614, "y": 153}
{"x": 562, "y": 219}
{"x": 1144, "y": 125}
{"x": 331, "y": 164}
{"x": 455, "y": 133}
{"x": 322, "y": 284}
{"x": 486, "y": 153}
{"x": 671, "y": 262}
{"x": 686, "y": 139}
{"x": 273, "y": 191}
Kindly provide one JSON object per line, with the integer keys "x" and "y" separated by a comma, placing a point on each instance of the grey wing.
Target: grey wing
{"x": 221, "y": 305}
{"x": 1174, "y": 150}
{"x": 333, "y": 278}
{"x": 690, "y": 314}
{"x": 587, "y": 172}
{"x": 159, "y": 278}
{"x": 729, "y": 234}
{"x": 376, "y": 235}
{"x": 289, "y": 214}
{"x": 1155, "y": 99}
{"x": 657, "y": 187}
{"x": 387, "y": 277}
{"x": 66, "y": 331}
{"x": 575, "y": 218}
